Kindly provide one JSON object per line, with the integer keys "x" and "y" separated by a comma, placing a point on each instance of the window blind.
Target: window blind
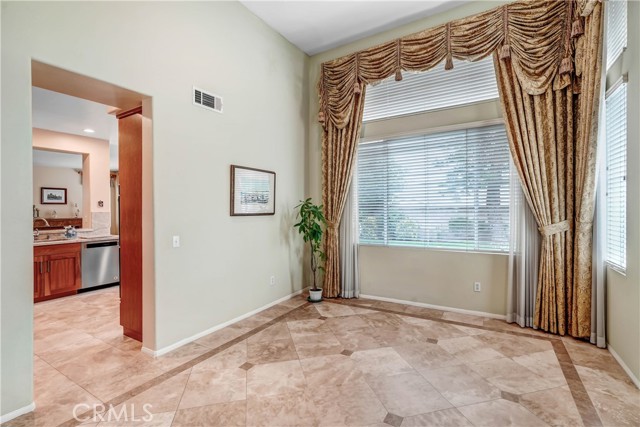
{"x": 616, "y": 124}
{"x": 616, "y": 30}
{"x": 437, "y": 88}
{"x": 446, "y": 190}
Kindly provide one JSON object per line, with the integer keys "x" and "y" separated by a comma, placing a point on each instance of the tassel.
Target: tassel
{"x": 356, "y": 88}
{"x": 321, "y": 118}
{"x": 566, "y": 66}
{"x": 576, "y": 28}
{"x": 398, "y": 75}
{"x": 449, "y": 64}
{"x": 505, "y": 52}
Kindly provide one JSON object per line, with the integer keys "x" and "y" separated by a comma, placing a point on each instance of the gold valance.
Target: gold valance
{"x": 541, "y": 38}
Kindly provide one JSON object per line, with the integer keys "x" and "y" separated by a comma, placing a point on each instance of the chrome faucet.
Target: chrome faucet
{"x": 41, "y": 219}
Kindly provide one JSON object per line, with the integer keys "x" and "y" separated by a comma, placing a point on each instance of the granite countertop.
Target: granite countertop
{"x": 79, "y": 239}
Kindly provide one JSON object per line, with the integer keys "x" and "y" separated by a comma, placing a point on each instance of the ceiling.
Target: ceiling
{"x": 63, "y": 113}
{"x": 317, "y": 26}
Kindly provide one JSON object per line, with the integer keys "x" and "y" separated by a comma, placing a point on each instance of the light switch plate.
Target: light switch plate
{"x": 176, "y": 241}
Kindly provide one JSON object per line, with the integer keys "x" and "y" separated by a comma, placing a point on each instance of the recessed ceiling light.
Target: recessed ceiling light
{"x": 89, "y": 130}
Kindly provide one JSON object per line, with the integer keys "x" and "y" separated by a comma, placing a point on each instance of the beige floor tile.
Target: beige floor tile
{"x": 358, "y": 339}
{"x": 279, "y": 331}
{"x": 512, "y": 377}
{"x": 350, "y": 404}
{"x": 296, "y": 409}
{"x": 222, "y": 414}
{"x": 380, "y": 361}
{"x": 210, "y": 387}
{"x": 555, "y": 406}
{"x": 308, "y": 326}
{"x": 380, "y": 320}
{"x": 433, "y": 329}
{"x": 444, "y": 418}
{"x": 426, "y": 356}
{"x": 164, "y": 397}
{"x": 469, "y": 349}
{"x": 403, "y": 334}
{"x": 271, "y": 351}
{"x": 153, "y": 420}
{"x": 342, "y": 324}
{"x": 332, "y": 370}
{"x": 312, "y": 345}
{"x": 464, "y": 318}
{"x": 544, "y": 363}
{"x": 511, "y": 346}
{"x": 327, "y": 309}
{"x": 180, "y": 356}
{"x": 407, "y": 394}
{"x": 275, "y": 378}
{"x": 616, "y": 401}
{"x": 501, "y": 413}
{"x": 460, "y": 385}
{"x": 231, "y": 358}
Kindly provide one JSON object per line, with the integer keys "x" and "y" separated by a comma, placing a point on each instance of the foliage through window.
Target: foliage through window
{"x": 446, "y": 190}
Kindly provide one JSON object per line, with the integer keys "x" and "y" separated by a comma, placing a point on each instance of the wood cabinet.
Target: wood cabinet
{"x": 56, "y": 271}
{"x": 130, "y": 175}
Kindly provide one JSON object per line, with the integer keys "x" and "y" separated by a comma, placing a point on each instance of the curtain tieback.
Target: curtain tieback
{"x": 555, "y": 228}
{"x": 332, "y": 225}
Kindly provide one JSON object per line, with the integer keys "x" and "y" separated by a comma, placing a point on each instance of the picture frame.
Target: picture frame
{"x": 253, "y": 191}
{"x": 53, "y": 196}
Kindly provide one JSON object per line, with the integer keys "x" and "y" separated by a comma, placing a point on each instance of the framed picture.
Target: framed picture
{"x": 53, "y": 196}
{"x": 253, "y": 191}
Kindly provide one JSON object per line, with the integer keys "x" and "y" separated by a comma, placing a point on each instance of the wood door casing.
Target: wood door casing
{"x": 130, "y": 176}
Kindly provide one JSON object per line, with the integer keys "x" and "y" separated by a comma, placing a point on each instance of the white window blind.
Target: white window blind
{"x": 437, "y": 88}
{"x": 446, "y": 190}
{"x": 616, "y": 117}
{"x": 616, "y": 29}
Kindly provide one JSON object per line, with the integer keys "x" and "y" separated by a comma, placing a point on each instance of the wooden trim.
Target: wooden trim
{"x": 132, "y": 334}
{"x": 131, "y": 112}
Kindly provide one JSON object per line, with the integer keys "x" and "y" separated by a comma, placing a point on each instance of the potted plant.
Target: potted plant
{"x": 311, "y": 227}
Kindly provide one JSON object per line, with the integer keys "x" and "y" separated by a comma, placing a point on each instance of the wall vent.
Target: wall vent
{"x": 207, "y": 100}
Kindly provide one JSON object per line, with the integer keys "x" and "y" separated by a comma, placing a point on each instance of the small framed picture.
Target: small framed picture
{"x": 253, "y": 191}
{"x": 53, "y": 196}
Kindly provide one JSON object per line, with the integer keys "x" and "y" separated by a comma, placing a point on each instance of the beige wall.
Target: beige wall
{"x": 222, "y": 269}
{"x": 44, "y": 176}
{"x": 95, "y": 167}
{"x": 435, "y": 277}
{"x": 623, "y": 291}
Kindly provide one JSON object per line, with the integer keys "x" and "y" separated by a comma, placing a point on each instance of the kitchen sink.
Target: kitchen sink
{"x": 48, "y": 238}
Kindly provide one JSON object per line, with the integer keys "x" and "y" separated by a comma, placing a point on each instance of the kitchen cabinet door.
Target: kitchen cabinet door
{"x": 63, "y": 273}
{"x": 38, "y": 277}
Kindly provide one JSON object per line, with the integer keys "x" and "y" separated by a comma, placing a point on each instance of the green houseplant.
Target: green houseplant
{"x": 310, "y": 225}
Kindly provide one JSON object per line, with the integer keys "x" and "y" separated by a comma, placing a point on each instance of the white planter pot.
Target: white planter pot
{"x": 315, "y": 295}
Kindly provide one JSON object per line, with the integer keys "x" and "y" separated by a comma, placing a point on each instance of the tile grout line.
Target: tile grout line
{"x": 581, "y": 398}
{"x": 186, "y": 365}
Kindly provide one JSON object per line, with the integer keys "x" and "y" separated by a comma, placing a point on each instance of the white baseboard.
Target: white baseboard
{"x": 15, "y": 414}
{"x": 167, "y": 349}
{"x": 437, "y": 307}
{"x": 624, "y": 365}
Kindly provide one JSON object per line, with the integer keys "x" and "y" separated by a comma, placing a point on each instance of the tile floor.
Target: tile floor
{"x": 340, "y": 362}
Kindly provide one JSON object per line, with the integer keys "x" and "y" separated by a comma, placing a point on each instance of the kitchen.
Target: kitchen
{"x": 75, "y": 196}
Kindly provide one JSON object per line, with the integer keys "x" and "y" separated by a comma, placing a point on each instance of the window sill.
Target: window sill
{"x": 422, "y": 248}
{"x": 621, "y": 271}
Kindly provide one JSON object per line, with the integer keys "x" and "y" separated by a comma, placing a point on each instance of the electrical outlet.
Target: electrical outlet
{"x": 176, "y": 241}
{"x": 272, "y": 280}
{"x": 477, "y": 287}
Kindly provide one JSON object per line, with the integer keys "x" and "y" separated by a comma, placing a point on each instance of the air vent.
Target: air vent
{"x": 207, "y": 100}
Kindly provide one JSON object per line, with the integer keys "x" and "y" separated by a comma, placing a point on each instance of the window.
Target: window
{"x": 616, "y": 125}
{"x": 616, "y": 30}
{"x": 467, "y": 83}
{"x": 446, "y": 190}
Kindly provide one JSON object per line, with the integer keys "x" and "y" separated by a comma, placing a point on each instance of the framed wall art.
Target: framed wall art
{"x": 253, "y": 191}
{"x": 53, "y": 196}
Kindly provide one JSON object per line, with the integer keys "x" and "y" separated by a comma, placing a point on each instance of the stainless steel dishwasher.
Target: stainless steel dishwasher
{"x": 100, "y": 263}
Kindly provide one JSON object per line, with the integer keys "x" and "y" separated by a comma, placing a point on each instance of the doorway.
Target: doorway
{"x": 99, "y": 209}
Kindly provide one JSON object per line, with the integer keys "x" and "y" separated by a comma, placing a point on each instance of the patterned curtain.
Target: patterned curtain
{"x": 547, "y": 56}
